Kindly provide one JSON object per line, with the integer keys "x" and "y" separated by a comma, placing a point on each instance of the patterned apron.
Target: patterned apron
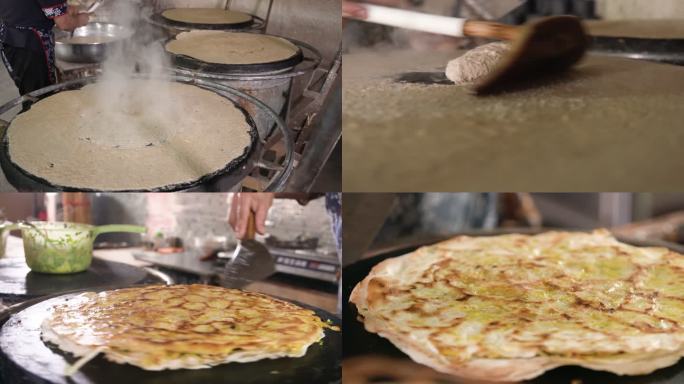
{"x": 46, "y": 38}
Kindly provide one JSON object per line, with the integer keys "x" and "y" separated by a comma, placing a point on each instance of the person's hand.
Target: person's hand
{"x": 72, "y": 19}
{"x": 73, "y": 10}
{"x": 82, "y": 19}
{"x": 245, "y": 203}
{"x": 353, "y": 10}
{"x": 356, "y": 10}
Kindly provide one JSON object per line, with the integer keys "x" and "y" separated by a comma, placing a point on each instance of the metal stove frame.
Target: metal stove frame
{"x": 298, "y": 119}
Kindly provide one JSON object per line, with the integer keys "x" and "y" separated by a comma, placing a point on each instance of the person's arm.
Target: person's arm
{"x": 355, "y": 10}
{"x": 65, "y": 17}
{"x": 350, "y": 9}
{"x": 260, "y": 203}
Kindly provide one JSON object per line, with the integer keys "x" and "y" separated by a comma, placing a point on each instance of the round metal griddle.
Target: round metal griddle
{"x": 25, "y": 358}
{"x": 159, "y": 18}
{"x": 669, "y": 51}
{"x": 237, "y": 170}
{"x": 156, "y": 19}
{"x": 192, "y": 64}
{"x": 359, "y": 342}
{"x": 654, "y": 40}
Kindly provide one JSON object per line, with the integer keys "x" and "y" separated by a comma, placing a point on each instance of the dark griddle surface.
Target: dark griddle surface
{"x": 25, "y": 358}
{"x": 18, "y": 283}
{"x": 358, "y": 341}
{"x": 181, "y": 24}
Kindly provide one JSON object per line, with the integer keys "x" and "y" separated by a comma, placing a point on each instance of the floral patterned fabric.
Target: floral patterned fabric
{"x": 55, "y": 10}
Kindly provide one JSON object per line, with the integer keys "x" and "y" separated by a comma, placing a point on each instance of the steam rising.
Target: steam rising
{"x": 133, "y": 104}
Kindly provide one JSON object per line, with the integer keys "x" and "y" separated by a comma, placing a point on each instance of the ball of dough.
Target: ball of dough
{"x": 476, "y": 63}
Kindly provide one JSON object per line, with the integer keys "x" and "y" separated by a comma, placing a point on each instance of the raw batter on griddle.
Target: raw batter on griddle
{"x": 206, "y": 16}
{"x": 477, "y": 63}
{"x": 610, "y": 123}
{"x": 71, "y": 139}
{"x": 221, "y": 47}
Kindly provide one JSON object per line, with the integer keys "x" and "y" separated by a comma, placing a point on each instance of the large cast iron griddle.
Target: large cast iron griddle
{"x": 18, "y": 283}
{"x": 359, "y": 342}
{"x": 670, "y": 51}
{"x": 25, "y": 358}
{"x": 190, "y": 63}
{"x": 157, "y": 17}
{"x": 623, "y": 40}
{"x": 23, "y": 180}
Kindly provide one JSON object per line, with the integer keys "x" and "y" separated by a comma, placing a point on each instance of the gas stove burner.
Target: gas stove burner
{"x": 313, "y": 264}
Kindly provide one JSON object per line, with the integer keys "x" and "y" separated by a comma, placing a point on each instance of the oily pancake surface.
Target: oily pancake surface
{"x": 129, "y": 135}
{"x": 206, "y": 16}
{"x": 219, "y": 47}
{"x": 510, "y": 307}
{"x": 185, "y": 326}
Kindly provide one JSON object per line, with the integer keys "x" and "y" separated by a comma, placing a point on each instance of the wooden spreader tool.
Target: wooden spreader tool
{"x": 545, "y": 46}
{"x": 251, "y": 260}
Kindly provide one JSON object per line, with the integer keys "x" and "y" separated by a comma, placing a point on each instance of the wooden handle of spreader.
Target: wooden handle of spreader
{"x": 442, "y": 25}
{"x": 490, "y": 30}
{"x": 250, "y": 234}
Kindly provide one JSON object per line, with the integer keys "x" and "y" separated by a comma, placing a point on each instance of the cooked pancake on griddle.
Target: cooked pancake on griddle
{"x": 508, "y": 308}
{"x": 206, "y": 16}
{"x": 220, "y": 47}
{"x": 183, "y": 326}
{"x": 123, "y": 134}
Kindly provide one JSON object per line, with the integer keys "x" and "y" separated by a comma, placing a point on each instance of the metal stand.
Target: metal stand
{"x": 317, "y": 136}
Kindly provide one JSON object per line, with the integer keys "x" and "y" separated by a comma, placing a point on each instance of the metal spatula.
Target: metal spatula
{"x": 251, "y": 260}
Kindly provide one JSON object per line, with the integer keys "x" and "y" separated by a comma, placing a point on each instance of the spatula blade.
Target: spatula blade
{"x": 547, "y": 46}
{"x": 252, "y": 263}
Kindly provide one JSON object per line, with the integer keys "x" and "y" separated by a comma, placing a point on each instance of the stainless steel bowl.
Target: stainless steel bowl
{"x": 76, "y": 50}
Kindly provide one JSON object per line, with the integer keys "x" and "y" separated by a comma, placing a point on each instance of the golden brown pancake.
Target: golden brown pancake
{"x": 509, "y": 308}
{"x": 183, "y": 326}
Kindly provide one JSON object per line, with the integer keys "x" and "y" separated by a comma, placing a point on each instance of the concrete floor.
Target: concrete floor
{"x": 7, "y": 92}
